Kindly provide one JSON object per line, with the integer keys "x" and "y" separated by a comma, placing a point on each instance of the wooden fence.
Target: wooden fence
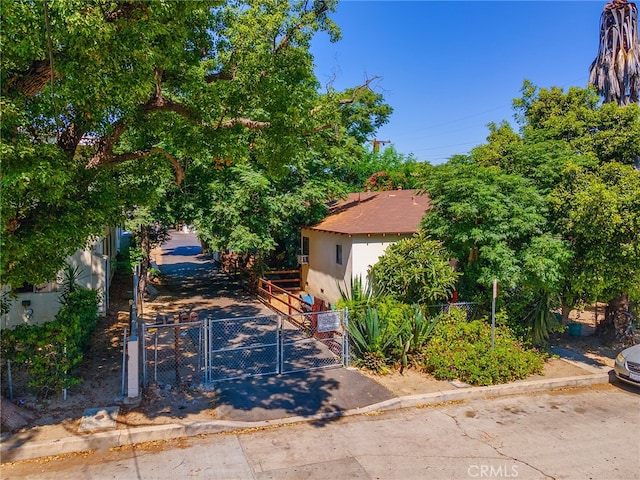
{"x": 281, "y": 299}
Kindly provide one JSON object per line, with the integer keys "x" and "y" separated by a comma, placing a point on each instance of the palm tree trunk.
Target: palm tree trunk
{"x": 617, "y": 319}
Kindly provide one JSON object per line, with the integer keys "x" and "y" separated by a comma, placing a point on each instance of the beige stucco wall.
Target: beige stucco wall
{"x": 322, "y": 276}
{"x": 96, "y": 272}
{"x": 367, "y": 249}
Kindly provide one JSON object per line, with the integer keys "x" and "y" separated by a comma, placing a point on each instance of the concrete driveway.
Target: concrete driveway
{"x": 192, "y": 283}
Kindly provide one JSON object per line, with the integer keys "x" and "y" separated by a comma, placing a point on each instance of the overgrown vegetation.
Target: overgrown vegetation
{"x": 446, "y": 346}
{"x": 462, "y": 350}
{"x": 387, "y": 333}
{"x": 551, "y": 211}
{"x": 51, "y": 352}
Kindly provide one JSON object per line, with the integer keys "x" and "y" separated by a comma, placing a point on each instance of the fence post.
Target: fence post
{"x": 279, "y": 344}
{"x": 206, "y": 346}
{"x": 133, "y": 365}
{"x": 9, "y": 380}
{"x": 345, "y": 339}
{"x": 177, "y": 348}
{"x": 124, "y": 361}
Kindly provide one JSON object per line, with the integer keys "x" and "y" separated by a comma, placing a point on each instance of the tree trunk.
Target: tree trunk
{"x": 617, "y": 320}
{"x": 145, "y": 243}
{"x": 31, "y": 82}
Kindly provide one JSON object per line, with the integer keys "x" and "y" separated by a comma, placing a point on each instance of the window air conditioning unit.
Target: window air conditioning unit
{"x": 303, "y": 259}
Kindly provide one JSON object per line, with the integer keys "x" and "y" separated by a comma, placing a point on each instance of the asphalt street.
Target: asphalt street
{"x": 583, "y": 433}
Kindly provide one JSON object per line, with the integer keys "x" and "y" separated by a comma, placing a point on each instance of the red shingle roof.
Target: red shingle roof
{"x": 389, "y": 212}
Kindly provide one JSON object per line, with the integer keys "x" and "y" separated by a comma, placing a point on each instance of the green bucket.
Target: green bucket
{"x": 575, "y": 329}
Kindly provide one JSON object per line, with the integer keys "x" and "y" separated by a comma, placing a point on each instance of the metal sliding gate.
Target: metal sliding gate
{"x": 213, "y": 350}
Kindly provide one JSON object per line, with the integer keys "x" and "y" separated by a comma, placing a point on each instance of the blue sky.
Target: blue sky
{"x": 448, "y": 68}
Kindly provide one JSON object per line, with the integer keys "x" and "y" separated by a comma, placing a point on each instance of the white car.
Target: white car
{"x": 627, "y": 366}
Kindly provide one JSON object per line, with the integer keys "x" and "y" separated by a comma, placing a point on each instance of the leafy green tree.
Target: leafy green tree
{"x": 542, "y": 161}
{"x": 89, "y": 88}
{"x": 599, "y": 212}
{"x": 585, "y": 139}
{"x": 415, "y": 270}
{"x": 575, "y": 119}
{"x": 496, "y": 226}
{"x": 485, "y": 218}
{"x": 245, "y": 210}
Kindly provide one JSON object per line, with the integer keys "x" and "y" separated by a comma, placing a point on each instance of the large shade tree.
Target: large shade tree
{"x": 88, "y": 88}
{"x": 494, "y": 224}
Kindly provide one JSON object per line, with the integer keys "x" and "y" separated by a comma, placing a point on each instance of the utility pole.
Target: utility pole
{"x": 377, "y": 143}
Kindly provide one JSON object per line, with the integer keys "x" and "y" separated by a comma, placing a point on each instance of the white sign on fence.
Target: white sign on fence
{"x": 328, "y": 321}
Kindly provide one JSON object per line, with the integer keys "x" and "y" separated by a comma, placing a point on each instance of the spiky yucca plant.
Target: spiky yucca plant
{"x": 616, "y": 70}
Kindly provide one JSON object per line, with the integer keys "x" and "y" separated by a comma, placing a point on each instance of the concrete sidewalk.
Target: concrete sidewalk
{"x": 270, "y": 400}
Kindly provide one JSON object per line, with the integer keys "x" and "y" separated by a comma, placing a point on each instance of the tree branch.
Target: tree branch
{"x": 357, "y": 89}
{"x": 346, "y": 101}
{"x": 125, "y": 9}
{"x": 287, "y": 38}
{"x": 246, "y": 122}
{"x": 222, "y": 75}
{"x": 104, "y": 146}
{"x": 114, "y": 159}
{"x": 33, "y": 80}
{"x": 69, "y": 139}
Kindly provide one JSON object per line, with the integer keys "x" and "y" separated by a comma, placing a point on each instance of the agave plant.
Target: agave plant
{"x": 356, "y": 298}
{"x": 542, "y": 320}
{"x": 371, "y": 340}
{"x": 358, "y": 293}
{"x": 616, "y": 70}
{"x": 414, "y": 334}
{"x": 71, "y": 276}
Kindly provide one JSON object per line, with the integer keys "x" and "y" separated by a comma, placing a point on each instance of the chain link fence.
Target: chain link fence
{"x": 241, "y": 347}
{"x": 469, "y": 308}
{"x": 15, "y": 379}
{"x": 172, "y": 353}
{"x": 314, "y": 340}
{"x": 212, "y": 350}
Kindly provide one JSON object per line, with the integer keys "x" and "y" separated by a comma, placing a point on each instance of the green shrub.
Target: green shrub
{"x": 51, "y": 352}
{"x": 462, "y": 350}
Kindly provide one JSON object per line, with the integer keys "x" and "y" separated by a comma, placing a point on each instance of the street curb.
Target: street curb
{"x": 17, "y": 447}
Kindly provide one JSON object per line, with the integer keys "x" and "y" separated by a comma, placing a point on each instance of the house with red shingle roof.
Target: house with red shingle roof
{"x": 354, "y": 235}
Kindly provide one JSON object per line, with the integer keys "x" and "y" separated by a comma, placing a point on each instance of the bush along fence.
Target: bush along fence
{"x": 447, "y": 345}
{"x": 43, "y": 359}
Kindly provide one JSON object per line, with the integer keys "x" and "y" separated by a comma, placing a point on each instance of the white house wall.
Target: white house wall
{"x": 367, "y": 249}
{"x": 95, "y": 273}
{"x": 359, "y": 252}
{"x": 37, "y": 309}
